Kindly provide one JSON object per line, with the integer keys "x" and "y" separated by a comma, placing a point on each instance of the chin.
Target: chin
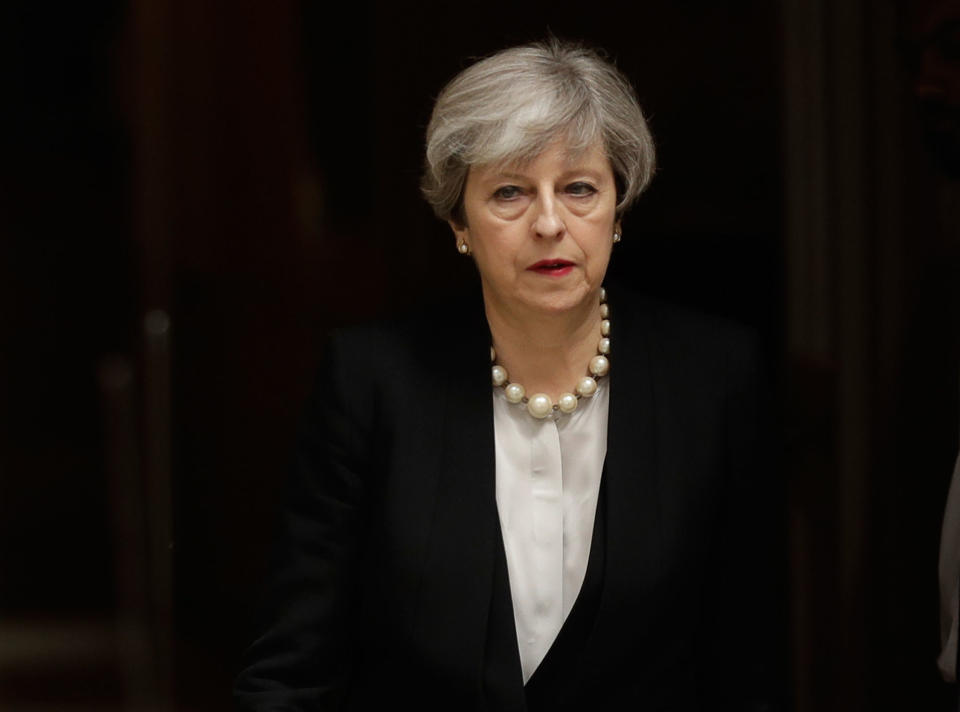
{"x": 559, "y": 302}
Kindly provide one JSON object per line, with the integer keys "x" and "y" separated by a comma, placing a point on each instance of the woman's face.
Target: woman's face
{"x": 541, "y": 232}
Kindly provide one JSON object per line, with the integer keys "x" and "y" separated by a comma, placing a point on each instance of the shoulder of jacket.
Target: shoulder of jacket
{"x": 681, "y": 323}
{"x": 431, "y": 335}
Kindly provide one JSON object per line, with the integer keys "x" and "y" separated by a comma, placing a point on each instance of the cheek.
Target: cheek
{"x": 601, "y": 260}
{"x": 601, "y": 249}
{"x": 601, "y": 238}
{"x": 494, "y": 254}
{"x": 501, "y": 242}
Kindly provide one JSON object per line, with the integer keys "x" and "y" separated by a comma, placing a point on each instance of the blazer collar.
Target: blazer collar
{"x": 455, "y": 595}
{"x": 632, "y": 480}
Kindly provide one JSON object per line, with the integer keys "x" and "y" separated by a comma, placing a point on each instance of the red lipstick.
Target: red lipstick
{"x": 551, "y": 267}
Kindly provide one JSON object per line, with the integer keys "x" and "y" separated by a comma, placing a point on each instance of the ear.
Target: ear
{"x": 461, "y": 233}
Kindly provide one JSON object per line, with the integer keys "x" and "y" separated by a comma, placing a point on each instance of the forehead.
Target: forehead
{"x": 558, "y": 156}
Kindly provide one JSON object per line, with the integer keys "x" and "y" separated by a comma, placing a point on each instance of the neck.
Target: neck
{"x": 547, "y": 353}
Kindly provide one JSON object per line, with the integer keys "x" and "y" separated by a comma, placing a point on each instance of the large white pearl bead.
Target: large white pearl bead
{"x": 540, "y": 405}
{"x": 514, "y": 392}
{"x": 603, "y": 294}
{"x": 604, "y": 346}
{"x": 604, "y": 311}
{"x": 599, "y": 365}
{"x": 605, "y": 327}
{"x": 586, "y": 387}
{"x": 567, "y": 402}
{"x": 499, "y": 374}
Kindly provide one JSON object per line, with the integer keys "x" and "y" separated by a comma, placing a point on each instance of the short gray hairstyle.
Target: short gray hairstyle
{"x": 510, "y": 106}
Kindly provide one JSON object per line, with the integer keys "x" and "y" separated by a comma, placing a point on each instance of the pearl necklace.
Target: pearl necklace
{"x": 539, "y": 405}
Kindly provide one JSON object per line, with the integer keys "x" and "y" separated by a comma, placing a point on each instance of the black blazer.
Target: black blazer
{"x": 382, "y": 590}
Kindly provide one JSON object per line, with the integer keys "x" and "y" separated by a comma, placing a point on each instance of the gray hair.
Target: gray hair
{"x": 510, "y": 106}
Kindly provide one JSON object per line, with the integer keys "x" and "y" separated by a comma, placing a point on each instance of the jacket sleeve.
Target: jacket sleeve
{"x": 304, "y": 655}
{"x": 746, "y": 666}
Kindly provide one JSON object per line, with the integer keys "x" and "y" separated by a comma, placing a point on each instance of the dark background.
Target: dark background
{"x": 193, "y": 193}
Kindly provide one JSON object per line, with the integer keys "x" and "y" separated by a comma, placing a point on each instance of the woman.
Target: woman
{"x": 566, "y": 539}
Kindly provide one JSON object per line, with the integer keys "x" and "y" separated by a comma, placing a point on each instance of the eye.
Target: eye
{"x": 580, "y": 188}
{"x": 507, "y": 192}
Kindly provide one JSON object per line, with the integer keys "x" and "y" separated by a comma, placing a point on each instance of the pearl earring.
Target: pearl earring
{"x": 463, "y": 248}
{"x": 616, "y": 237}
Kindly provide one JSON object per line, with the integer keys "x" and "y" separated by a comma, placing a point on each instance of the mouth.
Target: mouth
{"x": 552, "y": 268}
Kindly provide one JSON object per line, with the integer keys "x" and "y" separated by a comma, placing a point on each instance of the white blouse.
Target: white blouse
{"x": 547, "y": 482}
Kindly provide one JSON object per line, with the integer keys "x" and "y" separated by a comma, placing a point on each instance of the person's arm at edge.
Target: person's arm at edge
{"x": 303, "y": 657}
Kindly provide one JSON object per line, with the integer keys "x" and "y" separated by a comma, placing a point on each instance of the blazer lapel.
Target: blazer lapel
{"x": 456, "y": 589}
{"x": 633, "y": 557}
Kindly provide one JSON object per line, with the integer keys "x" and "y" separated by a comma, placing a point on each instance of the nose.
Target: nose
{"x": 548, "y": 221}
